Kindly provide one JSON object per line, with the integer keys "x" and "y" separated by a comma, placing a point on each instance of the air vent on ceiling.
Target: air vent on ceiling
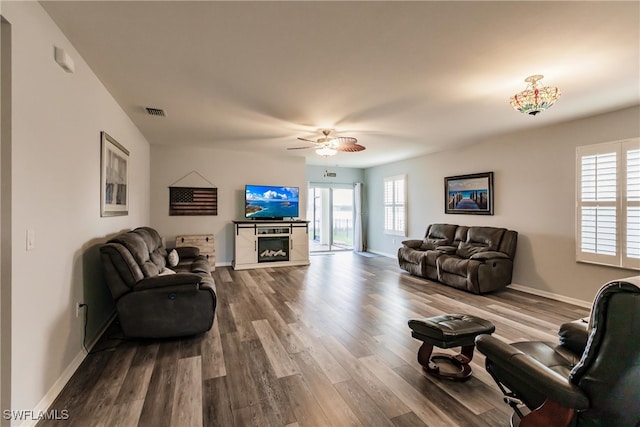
{"x": 155, "y": 112}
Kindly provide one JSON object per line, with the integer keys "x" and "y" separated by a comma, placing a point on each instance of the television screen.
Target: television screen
{"x": 270, "y": 202}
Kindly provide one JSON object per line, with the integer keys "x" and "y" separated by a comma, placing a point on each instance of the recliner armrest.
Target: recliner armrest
{"x": 538, "y": 376}
{"x": 187, "y": 251}
{"x": 168, "y": 280}
{"x": 447, "y": 249}
{"x": 487, "y": 255}
{"x": 574, "y": 336}
{"x": 412, "y": 243}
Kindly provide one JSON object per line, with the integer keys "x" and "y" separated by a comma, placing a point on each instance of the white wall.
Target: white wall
{"x": 534, "y": 194}
{"x": 316, "y": 175}
{"x": 229, "y": 171}
{"x": 57, "y": 119}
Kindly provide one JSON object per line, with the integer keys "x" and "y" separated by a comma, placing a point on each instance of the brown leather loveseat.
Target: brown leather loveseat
{"x": 475, "y": 259}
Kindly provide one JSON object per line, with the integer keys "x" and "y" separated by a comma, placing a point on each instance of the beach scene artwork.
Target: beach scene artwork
{"x": 470, "y": 194}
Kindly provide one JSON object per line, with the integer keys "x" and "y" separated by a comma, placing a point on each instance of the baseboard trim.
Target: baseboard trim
{"x": 382, "y": 253}
{"x": 43, "y": 406}
{"x": 102, "y": 330}
{"x": 551, "y": 295}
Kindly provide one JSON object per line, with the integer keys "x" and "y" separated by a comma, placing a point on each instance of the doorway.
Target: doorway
{"x": 330, "y": 209}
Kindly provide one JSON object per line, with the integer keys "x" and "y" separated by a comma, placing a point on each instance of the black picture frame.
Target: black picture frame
{"x": 469, "y": 194}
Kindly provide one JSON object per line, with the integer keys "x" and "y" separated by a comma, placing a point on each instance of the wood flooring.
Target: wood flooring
{"x": 323, "y": 345}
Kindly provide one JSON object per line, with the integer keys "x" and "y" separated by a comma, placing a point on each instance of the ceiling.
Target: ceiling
{"x": 404, "y": 78}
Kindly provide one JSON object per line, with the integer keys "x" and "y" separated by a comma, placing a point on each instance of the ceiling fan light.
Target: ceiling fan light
{"x": 533, "y": 99}
{"x": 326, "y": 151}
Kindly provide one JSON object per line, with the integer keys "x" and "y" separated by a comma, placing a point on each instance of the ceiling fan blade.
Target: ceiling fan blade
{"x": 300, "y": 148}
{"x": 343, "y": 140}
{"x": 307, "y": 140}
{"x": 350, "y": 148}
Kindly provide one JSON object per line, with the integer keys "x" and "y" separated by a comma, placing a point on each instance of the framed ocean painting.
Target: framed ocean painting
{"x": 469, "y": 194}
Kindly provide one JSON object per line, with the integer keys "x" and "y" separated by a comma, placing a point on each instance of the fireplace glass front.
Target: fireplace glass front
{"x": 272, "y": 249}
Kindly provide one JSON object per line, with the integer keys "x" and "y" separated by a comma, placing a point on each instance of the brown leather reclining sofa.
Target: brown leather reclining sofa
{"x": 154, "y": 301}
{"x": 475, "y": 259}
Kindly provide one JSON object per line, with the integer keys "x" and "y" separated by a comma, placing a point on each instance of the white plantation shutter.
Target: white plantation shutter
{"x": 599, "y": 230}
{"x": 388, "y": 205}
{"x": 631, "y": 254}
{"x": 394, "y": 205}
{"x": 598, "y": 194}
{"x": 608, "y": 204}
{"x": 399, "y": 217}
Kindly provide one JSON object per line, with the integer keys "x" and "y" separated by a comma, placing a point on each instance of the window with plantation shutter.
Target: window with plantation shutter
{"x": 608, "y": 204}
{"x": 394, "y": 205}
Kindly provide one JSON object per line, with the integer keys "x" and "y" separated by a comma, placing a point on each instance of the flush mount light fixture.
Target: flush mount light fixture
{"x": 534, "y": 99}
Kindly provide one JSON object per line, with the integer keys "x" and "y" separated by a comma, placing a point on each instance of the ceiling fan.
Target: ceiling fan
{"x": 328, "y": 146}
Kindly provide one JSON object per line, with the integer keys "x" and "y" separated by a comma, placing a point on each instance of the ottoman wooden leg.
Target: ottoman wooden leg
{"x": 466, "y": 354}
{"x": 424, "y": 358}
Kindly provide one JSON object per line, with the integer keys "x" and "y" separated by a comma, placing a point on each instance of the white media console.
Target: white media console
{"x": 261, "y": 243}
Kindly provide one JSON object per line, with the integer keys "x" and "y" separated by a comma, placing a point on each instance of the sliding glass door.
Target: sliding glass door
{"x": 342, "y": 218}
{"x": 330, "y": 210}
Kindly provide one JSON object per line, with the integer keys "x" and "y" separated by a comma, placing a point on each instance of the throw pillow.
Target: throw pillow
{"x": 173, "y": 258}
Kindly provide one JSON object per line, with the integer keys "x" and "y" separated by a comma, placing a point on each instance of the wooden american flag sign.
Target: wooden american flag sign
{"x": 193, "y": 201}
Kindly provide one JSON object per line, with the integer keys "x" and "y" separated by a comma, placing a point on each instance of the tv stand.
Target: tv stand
{"x": 270, "y": 243}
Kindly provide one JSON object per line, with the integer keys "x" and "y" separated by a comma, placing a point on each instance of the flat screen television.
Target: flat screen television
{"x": 270, "y": 202}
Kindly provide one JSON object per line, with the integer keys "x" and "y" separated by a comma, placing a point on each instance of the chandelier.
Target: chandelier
{"x": 533, "y": 99}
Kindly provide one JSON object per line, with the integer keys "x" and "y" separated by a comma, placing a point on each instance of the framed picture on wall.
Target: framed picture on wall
{"x": 114, "y": 177}
{"x": 469, "y": 194}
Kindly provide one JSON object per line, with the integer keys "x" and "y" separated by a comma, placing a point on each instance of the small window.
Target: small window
{"x": 395, "y": 212}
{"x": 608, "y": 204}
